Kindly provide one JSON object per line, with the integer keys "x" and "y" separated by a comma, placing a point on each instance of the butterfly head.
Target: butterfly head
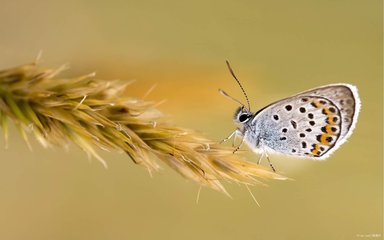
{"x": 242, "y": 115}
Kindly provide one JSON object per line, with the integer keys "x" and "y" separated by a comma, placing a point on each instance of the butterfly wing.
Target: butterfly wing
{"x": 311, "y": 124}
{"x": 346, "y": 99}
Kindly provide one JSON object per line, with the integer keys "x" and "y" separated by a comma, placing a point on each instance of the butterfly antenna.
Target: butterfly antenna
{"x": 230, "y": 97}
{"x": 238, "y": 82}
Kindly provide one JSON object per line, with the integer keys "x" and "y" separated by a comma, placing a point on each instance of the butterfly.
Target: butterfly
{"x": 311, "y": 124}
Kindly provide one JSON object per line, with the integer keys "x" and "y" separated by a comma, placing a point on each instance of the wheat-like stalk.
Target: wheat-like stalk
{"x": 93, "y": 114}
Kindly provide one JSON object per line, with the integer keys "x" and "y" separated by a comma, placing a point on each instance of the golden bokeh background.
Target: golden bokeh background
{"x": 277, "y": 48}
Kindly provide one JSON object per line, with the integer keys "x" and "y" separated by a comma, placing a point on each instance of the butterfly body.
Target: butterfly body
{"x": 310, "y": 124}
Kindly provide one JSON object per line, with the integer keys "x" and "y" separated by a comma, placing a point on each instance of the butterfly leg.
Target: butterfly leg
{"x": 229, "y": 137}
{"x": 238, "y": 147}
{"x": 234, "y": 134}
{"x": 265, "y": 153}
{"x": 270, "y": 163}
{"x": 261, "y": 157}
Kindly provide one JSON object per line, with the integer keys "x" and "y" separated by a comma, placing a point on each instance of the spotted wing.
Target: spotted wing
{"x": 310, "y": 124}
{"x": 346, "y": 99}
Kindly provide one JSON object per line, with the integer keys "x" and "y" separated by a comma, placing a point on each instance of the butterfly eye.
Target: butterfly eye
{"x": 243, "y": 117}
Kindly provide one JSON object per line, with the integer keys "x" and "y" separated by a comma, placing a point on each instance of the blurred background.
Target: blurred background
{"x": 277, "y": 48}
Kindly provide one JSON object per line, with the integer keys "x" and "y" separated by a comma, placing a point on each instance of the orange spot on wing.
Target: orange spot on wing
{"x": 316, "y": 149}
{"x": 316, "y": 104}
{"x": 327, "y": 112}
{"x": 323, "y": 139}
{"x": 330, "y": 120}
{"x": 328, "y": 129}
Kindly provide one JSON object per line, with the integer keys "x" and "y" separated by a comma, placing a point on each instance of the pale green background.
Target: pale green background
{"x": 277, "y": 48}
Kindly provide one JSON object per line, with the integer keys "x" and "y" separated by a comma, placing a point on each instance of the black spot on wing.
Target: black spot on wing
{"x": 276, "y": 117}
{"x": 335, "y": 119}
{"x": 318, "y": 138}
